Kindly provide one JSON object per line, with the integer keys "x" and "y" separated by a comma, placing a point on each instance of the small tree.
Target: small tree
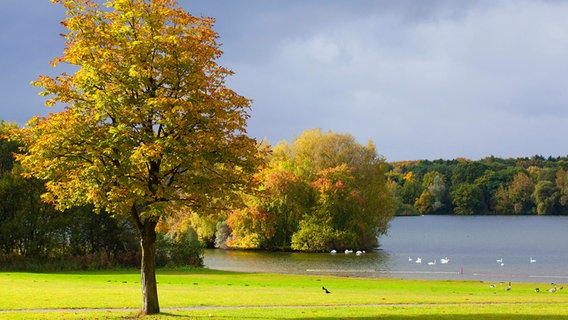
{"x": 149, "y": 126}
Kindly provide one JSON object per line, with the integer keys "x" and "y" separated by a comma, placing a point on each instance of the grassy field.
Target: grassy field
{"x": 208, "y": 294}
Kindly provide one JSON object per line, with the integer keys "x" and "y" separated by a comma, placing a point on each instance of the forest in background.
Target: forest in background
{"x": 521, "y": 186}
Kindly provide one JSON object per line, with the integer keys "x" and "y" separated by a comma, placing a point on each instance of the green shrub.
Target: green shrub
{"x": 179, "y": 249}
{"x": 318, "y": 237}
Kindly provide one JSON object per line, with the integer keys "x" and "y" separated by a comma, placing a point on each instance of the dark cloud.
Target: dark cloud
{"x": 422, "y": 79}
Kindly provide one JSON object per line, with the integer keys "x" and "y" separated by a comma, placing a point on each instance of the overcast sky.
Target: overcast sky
{"x": 423, "y": 79}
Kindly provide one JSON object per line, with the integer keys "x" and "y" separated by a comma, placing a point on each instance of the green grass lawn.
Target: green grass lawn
{"x": 208, "y": 294}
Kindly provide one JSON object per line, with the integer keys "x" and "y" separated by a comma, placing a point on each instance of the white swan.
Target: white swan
{"x": 532, "y": 260}
{"x": 444, "y": 260}
{"x": 500, "y": 260}
{"x": 348, "y": 251}
{"x": 418, "y": 260}
{"x": 333, "y": 251}
{"x": 431, "y": 263}
{"x": 409, "y": 259}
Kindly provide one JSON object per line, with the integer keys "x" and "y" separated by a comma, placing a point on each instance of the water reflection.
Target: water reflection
{"x": 472, "y": 244}
{"x": 298, "y": 262}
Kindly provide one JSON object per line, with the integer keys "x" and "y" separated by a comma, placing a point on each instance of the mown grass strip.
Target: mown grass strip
{"x": 465, "y": 312}
{"x": 270, "y": 296}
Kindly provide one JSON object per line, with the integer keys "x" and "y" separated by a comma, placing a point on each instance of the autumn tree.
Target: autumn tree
{"x": 503, "y": 203}
{"x": 333, "y": 221}
{"x": 352, "y": 205}
{"x": 411, "y": 189}
{"x": 434, "y": 198}
{"x": 322, "y": 191}
{"x": 516, "y": 199}
{"x": 424, "y": 203}
{"x": 148, "y": 127}
{"x": 562, "y": 185}
{"x": 7, "y": 147}
{"x": 271, "y": 218}
{"x": 546, "y": 196}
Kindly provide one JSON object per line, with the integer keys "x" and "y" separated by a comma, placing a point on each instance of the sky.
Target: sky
{"x": 422, "y": 79}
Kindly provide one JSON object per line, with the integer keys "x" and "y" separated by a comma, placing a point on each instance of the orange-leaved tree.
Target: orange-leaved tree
{"x": 149, "y": 126}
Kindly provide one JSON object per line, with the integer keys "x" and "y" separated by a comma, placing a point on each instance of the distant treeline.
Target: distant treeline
{"x": 521, "y": 186}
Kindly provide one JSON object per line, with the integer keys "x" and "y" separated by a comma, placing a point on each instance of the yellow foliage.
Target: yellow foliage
{"x": 149, "y": 123}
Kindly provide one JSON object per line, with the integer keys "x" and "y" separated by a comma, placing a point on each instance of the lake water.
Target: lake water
{"x": 472, "y": 244}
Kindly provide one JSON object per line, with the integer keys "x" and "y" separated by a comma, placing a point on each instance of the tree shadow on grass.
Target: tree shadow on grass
{"x": 168, "y": 315}
{"x": 485, "y": 316}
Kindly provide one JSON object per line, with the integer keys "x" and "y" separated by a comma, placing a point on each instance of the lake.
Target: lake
{"x": 485, "y": 248}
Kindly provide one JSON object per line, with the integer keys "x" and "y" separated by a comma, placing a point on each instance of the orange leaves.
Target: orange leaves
{"x": 252, "y": 227}
{"x": 56, "y": 61}
{"x": 61, "y": 88}
{"x": 149, "y": 119}
{"x": 280, "y": 181}
{"x": 336, "y": 179}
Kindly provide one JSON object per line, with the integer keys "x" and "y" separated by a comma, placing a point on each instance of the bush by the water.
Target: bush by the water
{"x": 92, "y": 261}
{"x": 183, "y": 249}
{"x": 179, "y": 249}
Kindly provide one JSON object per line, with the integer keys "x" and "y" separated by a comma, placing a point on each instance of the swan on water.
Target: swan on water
{"x": 431, "y": 263}
{"x": 444, "y": 260}
{"x": 532, "y": 260}
{"x": 418, "y": 260}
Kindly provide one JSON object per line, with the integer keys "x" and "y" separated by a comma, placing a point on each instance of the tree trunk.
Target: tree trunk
{"x": 150, "y": 304}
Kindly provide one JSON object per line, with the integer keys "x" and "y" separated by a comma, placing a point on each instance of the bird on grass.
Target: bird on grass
{"x": 324, "y": 289}
{"x": 509, "y": 286}
{"x": 537, "y": 290}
